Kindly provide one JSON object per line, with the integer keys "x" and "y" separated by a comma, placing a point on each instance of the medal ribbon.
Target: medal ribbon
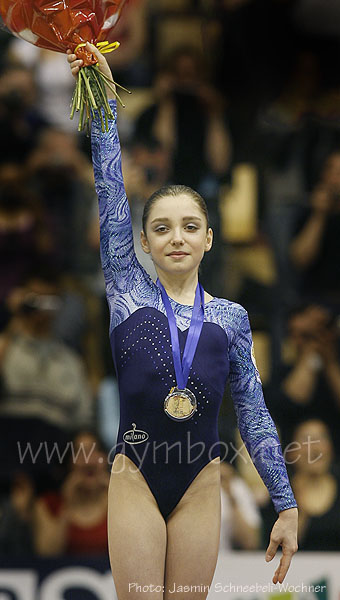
{"x": 182, "y": 368}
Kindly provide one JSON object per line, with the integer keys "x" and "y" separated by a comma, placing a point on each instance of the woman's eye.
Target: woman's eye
{"x": 163, "y": 228}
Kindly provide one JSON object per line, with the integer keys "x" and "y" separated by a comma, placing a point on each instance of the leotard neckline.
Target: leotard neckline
{"x": 191, "y": 305}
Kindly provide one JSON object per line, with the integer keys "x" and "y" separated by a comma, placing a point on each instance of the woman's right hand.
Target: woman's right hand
{"x": 76, "y": 63}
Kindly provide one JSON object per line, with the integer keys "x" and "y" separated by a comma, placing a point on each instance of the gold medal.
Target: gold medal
{"x": 180, "y": 405}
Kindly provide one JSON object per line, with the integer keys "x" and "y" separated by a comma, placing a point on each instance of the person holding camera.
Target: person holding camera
{"x": 308, "y": 382}
{"x": 44, "y": 388}
{"x": 315, "y": 249}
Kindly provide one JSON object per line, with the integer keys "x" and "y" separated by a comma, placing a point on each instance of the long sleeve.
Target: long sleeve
{"x": 122, "y": 271}
{"x": 255, "y": 423}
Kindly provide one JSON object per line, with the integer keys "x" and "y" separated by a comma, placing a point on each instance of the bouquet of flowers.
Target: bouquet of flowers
{"x": 68, "y": 24}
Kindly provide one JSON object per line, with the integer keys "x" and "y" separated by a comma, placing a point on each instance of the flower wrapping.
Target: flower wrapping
{"x": 62, "y": 24}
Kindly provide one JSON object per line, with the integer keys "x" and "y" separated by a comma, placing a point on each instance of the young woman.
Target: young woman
{"x": 174, "y": 346}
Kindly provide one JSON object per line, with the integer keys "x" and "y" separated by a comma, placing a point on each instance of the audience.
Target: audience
{"x": 16, "y": 510}
{"x": 131, "y": 62}
{"x": 53, "y": 81}
{"x": 73, "y": 520}
{"x": 315, "y": 249}
{"x": 25, "y": 229}
{"x": 62, "y": 177}
{"x": 316, "y": 484}
{"x": 308, "y": 382}
{"x": 188, "y": 119}
{"x": 44, "y": 385}
{"x": 240, "y": 517}
{"x": 20, "y": 121}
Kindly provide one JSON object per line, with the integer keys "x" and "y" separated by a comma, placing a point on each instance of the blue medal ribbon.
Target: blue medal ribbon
{"x": 182, "y": 368}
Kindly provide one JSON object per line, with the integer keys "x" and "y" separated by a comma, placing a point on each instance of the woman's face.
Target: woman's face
{"x": 313, "y": 450}
{"x": 176, "y": 234}
{"x": 89, "y": 462}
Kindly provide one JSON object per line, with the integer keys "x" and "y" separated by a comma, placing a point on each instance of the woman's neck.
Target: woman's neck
{"x": 179, "y": 286}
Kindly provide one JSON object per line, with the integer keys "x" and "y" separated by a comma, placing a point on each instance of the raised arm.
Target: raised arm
{"x": 122, "y": 271}
{"x": 120, "y": 265}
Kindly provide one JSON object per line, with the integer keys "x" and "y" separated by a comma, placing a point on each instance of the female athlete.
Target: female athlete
{"x": 174, "y": 347}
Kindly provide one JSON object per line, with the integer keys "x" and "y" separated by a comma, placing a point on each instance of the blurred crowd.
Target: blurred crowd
{"x": 239, "y": 99}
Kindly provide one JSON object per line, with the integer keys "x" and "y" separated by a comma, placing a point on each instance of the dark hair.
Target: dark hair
{"x": 174, "y": 190}
{"x": 300, "y": 421}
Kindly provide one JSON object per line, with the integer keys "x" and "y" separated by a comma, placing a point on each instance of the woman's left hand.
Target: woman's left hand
{"x": 284, "y": 533}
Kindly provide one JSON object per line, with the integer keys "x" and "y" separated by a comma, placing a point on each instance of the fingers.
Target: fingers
{"x": 75, "y": 63}
{"x": 271, "y": 550}
{"x": 102, "y": 62}
{"x": 284, "y": 533}
{"x": 282, "y": 569}
{"x": 94, "y": 50}
{"x": 276, "y": 574}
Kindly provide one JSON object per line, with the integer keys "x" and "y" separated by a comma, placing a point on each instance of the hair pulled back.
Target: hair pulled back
{"x": 174, "y": 190}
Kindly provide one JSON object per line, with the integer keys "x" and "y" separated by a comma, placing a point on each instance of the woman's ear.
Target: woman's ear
{"x": 144, "y": 242}
{"x": 209, "y": 240}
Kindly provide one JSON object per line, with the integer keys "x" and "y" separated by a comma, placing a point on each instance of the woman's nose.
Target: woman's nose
{"x": 177, "y": 237}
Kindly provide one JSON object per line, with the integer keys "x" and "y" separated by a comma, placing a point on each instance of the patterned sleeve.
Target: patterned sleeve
{"x": 122, "y": 271}
{"x": 256, "y": 426}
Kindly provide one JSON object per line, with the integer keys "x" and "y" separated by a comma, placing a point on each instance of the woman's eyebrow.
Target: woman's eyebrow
{"x": 184, "y": 219}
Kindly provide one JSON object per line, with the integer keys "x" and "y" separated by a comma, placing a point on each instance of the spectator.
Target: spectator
{"x": 52, "y": 79}
{"x": 316, "y": 486}
{"x": 74, "y": 520}
{"x": 308, "y": 382}
{"x": 16, "y": 518}
{"x": 315, "y": 250}
{"x": 130, "y": 63}
{"x": 20, "y": 122}
{"x": 25, "y": 232}
{"x": 62, "y": 177}
{"x": 240, "y": 518}
{"x": 188, "y": 119}
{"x": 44, "y": 386}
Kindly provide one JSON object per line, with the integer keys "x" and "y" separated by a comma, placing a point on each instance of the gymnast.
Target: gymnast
{"x": 174, "y": 347}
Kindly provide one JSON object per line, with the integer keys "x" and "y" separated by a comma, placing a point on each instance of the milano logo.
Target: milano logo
{"x": 135, "y": 436}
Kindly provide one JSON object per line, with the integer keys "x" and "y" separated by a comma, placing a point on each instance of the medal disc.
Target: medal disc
{"x": 180, "y": 405}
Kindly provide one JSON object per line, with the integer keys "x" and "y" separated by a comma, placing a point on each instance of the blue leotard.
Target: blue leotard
{"x": 170, "y": 453}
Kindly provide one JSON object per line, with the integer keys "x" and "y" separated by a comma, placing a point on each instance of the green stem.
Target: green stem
{"x": 78, "y": 91}
{"x": 90, "y": 96}
{"x": 113, "y": 81}
{"x": 88, "y": 87}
